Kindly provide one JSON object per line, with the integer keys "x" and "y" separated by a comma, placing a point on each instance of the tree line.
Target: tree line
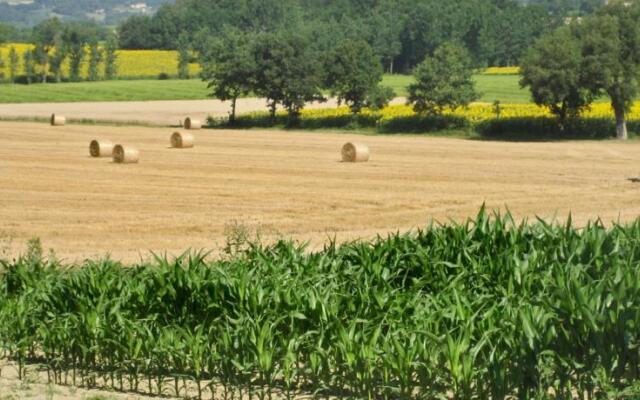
{"x": 400, "y": 32}
{"x": 567, "y": 69}
{"x": 287, "y": 70}
{"x": 56, "y": 43}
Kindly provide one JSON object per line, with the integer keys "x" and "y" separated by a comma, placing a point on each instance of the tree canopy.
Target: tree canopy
{"x": 401, "y": 32}
{"x": 444, "y": 80}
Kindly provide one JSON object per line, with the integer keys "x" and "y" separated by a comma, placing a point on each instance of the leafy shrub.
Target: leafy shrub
{"x": 263, "y": 120}
{"x": 379, "y": 97}
{"x": 22, "y": 80}
{"x": 163, "y": 76}
{"x": 423, "y": 123}
{"x": 547, "y": 128}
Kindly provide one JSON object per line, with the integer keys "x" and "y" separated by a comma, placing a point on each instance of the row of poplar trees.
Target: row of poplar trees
{"x": 54, "y": 44}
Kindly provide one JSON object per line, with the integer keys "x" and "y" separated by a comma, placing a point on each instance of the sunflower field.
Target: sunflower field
{"x": 131, "y": 64}
{"x": 526, "y": 120}
{"x": 502, "y": 71}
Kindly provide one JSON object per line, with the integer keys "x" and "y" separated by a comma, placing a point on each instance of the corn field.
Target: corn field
{"x": 487, "y": 309}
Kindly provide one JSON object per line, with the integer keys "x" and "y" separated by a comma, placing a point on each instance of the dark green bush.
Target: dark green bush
{"x": 379, "y": 97}
{"x": 545, "y": 128}
{"x": 263, "y": 120}
{"x": 343, "y": 121}
{"x": 423, "y": 123}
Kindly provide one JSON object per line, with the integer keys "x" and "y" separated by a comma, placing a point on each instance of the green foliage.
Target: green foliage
{"x": 229, "y": 67}
{"x": 111, "y": 58}
{"x": 287, "y": 72}
{"x": 29, "y": 65}
{"x": 46, "y": 33}
{"x": 424, "y": 124}
{"x": 184, "y": 57}
{"x": 444, "y": 80}
{"x": 76, "y": 38}
{"x": 95, "y": 58}
{"x": 553, "y": 71}
{"x": 379, "y": 97}
{"x": 14, "y": 63}
{"x": 45, "y": 36}
{"x": 401, "y": 32}
{"x": 369, "y": 120}
{"x": 542, "y": 128}
{"x": 1, "y": 68}
{"x": 487, "y": 309}
{"x": 611, "y": 51}
{"x": 4, "y": 33}
{"x": 352, "y": 72}
{"x": 56, "y": 59}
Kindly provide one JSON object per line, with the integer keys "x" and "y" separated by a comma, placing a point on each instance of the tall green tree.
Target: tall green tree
{"x": 14, "y": 63}
{"x": 45, "y": 36}
{"x": 229, "y": 67}
{"x": 29, "y": 65}
{"x": 1, "y": 68}
{"x": 611, "y": 56}
{"x": 57, "y": 58}
{"x": 5, "y": 31}
{"x": 553, "y": 72}
{"x": 444, "y": 80}
{"x": 352, "y": 71}
{"x": 287, "y": 72}
{"x": 95, "y": 58}
{"x": 111, "y": 58}
{"x": 387, "y": 22}
{"x": 76, "y": 40}
{"x": 184, "y": 57}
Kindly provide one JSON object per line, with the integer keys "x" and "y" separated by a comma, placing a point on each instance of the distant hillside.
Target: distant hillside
{"x": 29, "y": 12}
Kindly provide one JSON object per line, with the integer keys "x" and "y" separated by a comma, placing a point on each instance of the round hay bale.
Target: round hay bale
{"x": 125, "y": 155}
{"x": 181, "y": 140}
{"x": 101, "y": 148}
{"x": 57, "y": 120}
{"x": 355, "y": 152}
{"x": 192, "y": 124}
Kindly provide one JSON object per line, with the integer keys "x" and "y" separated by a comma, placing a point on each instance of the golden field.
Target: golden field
{"x": 502, "y": 71}
{"x": 286, "y": 184}
{"x": 476, "y": 112}
{"x": 131, "y": 63}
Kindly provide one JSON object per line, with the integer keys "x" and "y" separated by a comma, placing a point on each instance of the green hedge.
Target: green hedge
{"x": 420, "y": 124}
{"x": 412, "y": 124}
{"x": 516, "y": 128}
{"x": 545, "y": 128}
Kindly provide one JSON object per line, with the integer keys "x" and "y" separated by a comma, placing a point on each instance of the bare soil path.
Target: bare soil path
{"x": 285, "y": 184}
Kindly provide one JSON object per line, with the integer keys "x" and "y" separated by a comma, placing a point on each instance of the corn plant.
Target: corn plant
{"x": 487, "y": 309}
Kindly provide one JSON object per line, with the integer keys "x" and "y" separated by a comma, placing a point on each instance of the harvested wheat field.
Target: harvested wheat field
{"x": 285, "y": 184}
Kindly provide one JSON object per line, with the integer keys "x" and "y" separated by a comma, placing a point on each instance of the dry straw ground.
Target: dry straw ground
{"x": 285, "y": 183}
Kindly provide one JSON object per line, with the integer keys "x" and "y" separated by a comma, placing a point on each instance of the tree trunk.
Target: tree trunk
{"x": 391, "y": 67}
{"x": 272, "y": 111}
{"x": 232, "y": 117}
{"x": 621, "y": 123}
